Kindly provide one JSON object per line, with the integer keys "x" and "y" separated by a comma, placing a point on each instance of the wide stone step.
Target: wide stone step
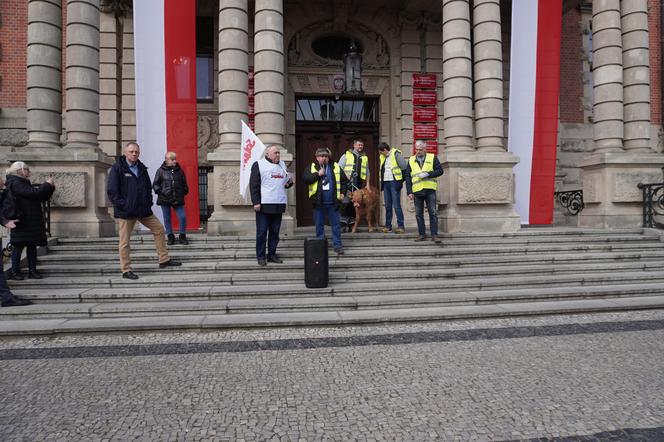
{"x": 540, "y": 232}
{"x": 389, "y": 268}
{"x": 382, "y": 277}
{"x": 433, "y": 251}
{"x": 79, "y": 267}
{"x": 350, "y": 240}
{"x": 23, "y": 326}
{"x": 288, "y": 285}
{"x": 321, "y": 303}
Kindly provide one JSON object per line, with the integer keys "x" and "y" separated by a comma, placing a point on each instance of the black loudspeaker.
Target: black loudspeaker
{"x": 316, "y": 268}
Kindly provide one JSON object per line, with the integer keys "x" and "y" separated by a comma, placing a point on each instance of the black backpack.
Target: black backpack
{"x": 8, "y": 208}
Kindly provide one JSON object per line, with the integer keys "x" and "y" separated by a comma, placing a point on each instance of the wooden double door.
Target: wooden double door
{"x": 338, "y": 137}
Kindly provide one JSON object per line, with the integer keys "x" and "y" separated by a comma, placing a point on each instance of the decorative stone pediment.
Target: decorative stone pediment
{"x": 375, "y": 53}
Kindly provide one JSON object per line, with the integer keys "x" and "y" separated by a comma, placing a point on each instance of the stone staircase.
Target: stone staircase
{"x": 382, "y": 277}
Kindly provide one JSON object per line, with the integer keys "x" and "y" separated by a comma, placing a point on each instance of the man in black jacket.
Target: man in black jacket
{"x": 268, "y": 183}
{"x": 130, "y": 190}
{"x": 327, "y": 185}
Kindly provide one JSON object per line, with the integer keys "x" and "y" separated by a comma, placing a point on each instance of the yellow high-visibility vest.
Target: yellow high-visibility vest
{"x": 350, "y": 165}
{"x": 396, "y": 170}
{"x": 422, "y": 183}
{"x": 313, "y": 188}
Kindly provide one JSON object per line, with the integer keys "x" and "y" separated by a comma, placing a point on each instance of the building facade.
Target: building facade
{"x": 430, "y": 69}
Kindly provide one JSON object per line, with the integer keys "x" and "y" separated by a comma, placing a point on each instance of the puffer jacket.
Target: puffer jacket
{"x": 31, "y": 227}
{"x": 170, "y": 185}
{"x": 131, "y": 195}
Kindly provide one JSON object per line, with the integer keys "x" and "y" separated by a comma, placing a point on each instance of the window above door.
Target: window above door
{"x": 329, "y": 109}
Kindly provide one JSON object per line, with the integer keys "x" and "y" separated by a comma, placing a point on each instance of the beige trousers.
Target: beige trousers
{"x": 127, "y": 226}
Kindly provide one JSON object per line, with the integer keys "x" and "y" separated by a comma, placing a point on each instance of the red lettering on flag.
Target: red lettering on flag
{"x": 249, "y": 146}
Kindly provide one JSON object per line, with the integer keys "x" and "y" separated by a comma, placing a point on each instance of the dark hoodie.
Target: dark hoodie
{"x": 170, "y": 185}
{"x": 131, "y": 195}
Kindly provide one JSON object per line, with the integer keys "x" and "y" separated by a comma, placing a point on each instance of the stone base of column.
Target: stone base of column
{"x": 79, "y": 206}
{"x": 610, "y": 194}
{"x": 232, "y": 215}
{"x": 477, "y": 192}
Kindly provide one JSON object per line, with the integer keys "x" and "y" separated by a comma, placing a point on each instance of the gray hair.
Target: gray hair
{"x": 270, "y": 148}
{"x": 323, "y": 151}
{"x": 421, "y": 143}
{"x": 15, "y": 167}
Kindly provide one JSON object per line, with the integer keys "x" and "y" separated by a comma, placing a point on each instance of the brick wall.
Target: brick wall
{"x": 654, "y": 18}
{"x": 13, "y": 40}
{"x": 571, "y": 69}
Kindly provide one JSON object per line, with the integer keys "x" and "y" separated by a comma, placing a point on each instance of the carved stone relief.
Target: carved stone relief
{"x": 227, "y": 185}
{"x": 70, "y": 188}
{"x": 625, "y": 188}
{"x": 484, "y": 188}
{"x": 208, "y": 136}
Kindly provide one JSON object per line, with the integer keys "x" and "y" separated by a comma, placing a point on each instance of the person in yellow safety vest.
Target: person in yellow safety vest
{"x": 355, "y": 164}
{"x": 327, "y": 185}
{"x": 421, "y": 184}
{"x": 392, "y": 166}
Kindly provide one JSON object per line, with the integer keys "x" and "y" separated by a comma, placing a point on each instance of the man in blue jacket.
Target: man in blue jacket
{"x": 130, "y": 190}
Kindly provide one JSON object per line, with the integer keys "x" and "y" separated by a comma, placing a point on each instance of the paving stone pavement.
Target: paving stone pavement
{"x": 577, "y": 377}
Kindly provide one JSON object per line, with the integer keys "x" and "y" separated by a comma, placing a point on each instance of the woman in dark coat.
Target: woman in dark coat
{"x": 30, "y": 230}
{"x": 170, "y": 185}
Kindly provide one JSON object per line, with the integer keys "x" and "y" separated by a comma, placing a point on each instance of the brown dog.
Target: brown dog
{"x": 365, "y": 202}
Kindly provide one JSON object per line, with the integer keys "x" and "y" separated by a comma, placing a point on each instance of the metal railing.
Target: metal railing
{"x": 571, "y": 201}
{"x": 653, "y": 204}
{"x": 205, "y": 210}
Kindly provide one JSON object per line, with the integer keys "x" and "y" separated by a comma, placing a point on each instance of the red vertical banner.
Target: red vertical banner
{"x": 547, "y": 89}
{"x": 250, "y": 99}
{"x": 425, "y": 113}
{"x": 181, "y": 117}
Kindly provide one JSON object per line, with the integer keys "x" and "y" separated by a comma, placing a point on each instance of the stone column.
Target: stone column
{"x": 231, "y": 213}
{"x": 82, "y": 73}
{"x": 457, "y": 76}
{"x": 233, "y": 71}
{"x": 269, "y": 71}
{"x": 636, "y": 75}
{"x": 477, "y": 189}
{"x": 488, "y": 73}
{"x": 44, "y": 73}
{"x": 607, "y": 76}
{"x": 611, "y": 172}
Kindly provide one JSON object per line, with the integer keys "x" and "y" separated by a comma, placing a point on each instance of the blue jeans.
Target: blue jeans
{"x": 182, "y": 218}
{"x": 392, "y": 196}
{"x": 333, "y": 216}
{"x": 428, "y": 196}
{"x": 267, "y": 232}
{"x": 31, "y": 251}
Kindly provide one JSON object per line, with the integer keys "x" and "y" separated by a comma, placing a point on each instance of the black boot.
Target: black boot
{"x": 171, "y": 239}
{"x": 183, "y": 239}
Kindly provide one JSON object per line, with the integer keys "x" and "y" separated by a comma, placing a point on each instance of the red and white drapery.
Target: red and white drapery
{"x": 533, "y": 102}
{"x": 165, "y": 67}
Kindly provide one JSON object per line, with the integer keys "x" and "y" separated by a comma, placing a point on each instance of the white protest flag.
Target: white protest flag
{"x": 251, "y": 151}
